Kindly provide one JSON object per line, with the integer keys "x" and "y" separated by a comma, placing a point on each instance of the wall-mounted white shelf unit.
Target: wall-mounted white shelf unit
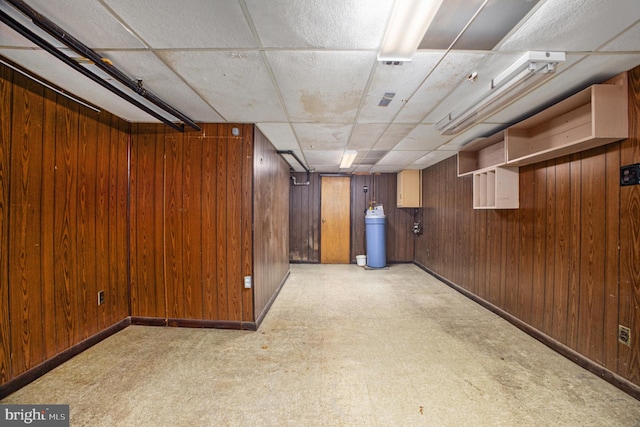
{"x": 592, "y": 117}
{"x": 482, "y": 153}
{"x": 496, "y": 188}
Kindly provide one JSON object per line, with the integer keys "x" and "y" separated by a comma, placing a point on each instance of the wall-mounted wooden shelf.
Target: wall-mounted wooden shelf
{"x": 592, "y": 117}
{"x": 496, "y": 188}
{"x": 482, "y": 153}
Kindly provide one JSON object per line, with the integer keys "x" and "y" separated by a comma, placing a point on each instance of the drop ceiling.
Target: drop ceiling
{"x": 305, "y": 71}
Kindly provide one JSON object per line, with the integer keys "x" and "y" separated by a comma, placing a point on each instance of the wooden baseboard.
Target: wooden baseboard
{"x": 194, "y": 323}
{"x": 36, "y": 372}
{"x": 148, "y": 321}
{"x": 267, "y": 307}
{"x": 611, "y": 377}
{"x": 212, "y": 324}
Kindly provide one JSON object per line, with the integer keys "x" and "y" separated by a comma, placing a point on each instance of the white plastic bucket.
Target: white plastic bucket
{"x": 361, "y": 260}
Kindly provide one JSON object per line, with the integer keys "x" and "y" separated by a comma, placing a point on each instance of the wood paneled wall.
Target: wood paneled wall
{"x": 191, "y": 216}
{"x": 629, "y": 298}
{"x": 305, "y": 218}
{"x": 553, "y": 263}
{"x": 63, "y": 223}
{"x": 270, "y": 222}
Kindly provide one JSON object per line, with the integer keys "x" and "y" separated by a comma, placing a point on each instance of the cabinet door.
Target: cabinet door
{"x": 409, "y": 191}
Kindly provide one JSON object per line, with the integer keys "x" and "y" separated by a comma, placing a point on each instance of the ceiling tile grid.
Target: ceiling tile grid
{"x": 321, "y": 86}
{"x": 305, "y": 71}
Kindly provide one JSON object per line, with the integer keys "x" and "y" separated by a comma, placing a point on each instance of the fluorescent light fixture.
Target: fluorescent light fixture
{"x": 347, "y": 159}
{"x": 531, "y": 69}
{"x": 294, "y": 161}
{"x": 409, "y": 21}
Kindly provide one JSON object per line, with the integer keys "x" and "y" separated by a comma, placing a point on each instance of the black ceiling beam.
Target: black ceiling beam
{"x": 100, "y": 62}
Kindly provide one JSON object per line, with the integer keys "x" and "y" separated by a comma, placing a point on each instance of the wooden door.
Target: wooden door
{"x": 335, "y": 227}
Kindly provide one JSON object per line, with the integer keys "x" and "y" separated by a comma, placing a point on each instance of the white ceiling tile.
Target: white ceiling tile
{"x": 387, "y": 168}
{"x": 280, "y": 134}
{"x": 324, "y": 156}
{"x": 324, "y": 160}
{"x": 89, "y": 22}
{"x": 422, "y": 137}
{"x": 164, "y": 83}
{"x": 236, "y": 84}
{"x": 365, "y": 136}
{"x": 393, "y": 135}
{"x": 321, "y": 86}
{"x": 167, "y": 24}
{"x": 401, "y": 158}
{"x": 11, "y": 38}
{"x": 468, "y": 91}
{"x": 626, "y": 41}
{"x": 431, "y": 159}
{"x": 322, "y": 136}
{"x": 402, "y": 80}
{"x": 65, "y": 77}
{"x": 246, "y": 60}
{"x": 353, "y": 24}
{"x": 573, "y": 25}
{"x": 453, "y": 69}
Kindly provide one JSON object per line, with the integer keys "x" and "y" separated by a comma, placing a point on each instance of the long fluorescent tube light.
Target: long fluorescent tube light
{"x": 347, "y": 159}
{"x": 529, "y": 70}
{"x": 409, "y": 21}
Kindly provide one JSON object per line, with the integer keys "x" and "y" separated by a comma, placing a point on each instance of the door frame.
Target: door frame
{"x": 336, "y": 175}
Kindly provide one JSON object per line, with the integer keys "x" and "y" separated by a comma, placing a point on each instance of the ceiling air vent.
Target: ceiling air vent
{"x": 386, "y": 99}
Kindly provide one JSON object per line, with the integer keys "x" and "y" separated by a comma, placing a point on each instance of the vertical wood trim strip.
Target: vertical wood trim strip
{"x": 209, "y": 228}
{"x": 248, "y": 242}
{"x": 550, "y": 253}
{"x": 539, "y": 246}
{"x": 562, "y": 249}
{"x": 173, "y": 212}
{"x": 103, "y": 240}
{"x": 65, "y": 230}
{"x": 6, "y": 129}
{"x": 223, "y": 301}
{"x": 611, "y": 262}
{"x": 25, "y": 262}
{"x": 48, "y": 224}
{"x": 86, "y": 224}
{"x": 592, "y": 256}
{"x": 574, "y": 252}
{"x": 192, "y": 220}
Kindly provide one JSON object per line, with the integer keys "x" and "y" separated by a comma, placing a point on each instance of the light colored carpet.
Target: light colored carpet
{"x": 341, "y": 346}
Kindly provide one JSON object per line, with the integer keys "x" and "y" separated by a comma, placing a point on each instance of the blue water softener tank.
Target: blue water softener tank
{"x": 374, "y": 221}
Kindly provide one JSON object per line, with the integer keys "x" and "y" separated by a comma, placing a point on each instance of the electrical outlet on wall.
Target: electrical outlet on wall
{"x": 624, "y": 335}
